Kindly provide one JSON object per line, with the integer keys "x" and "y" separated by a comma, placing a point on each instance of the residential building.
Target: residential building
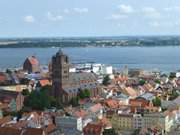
{"x": 122, "y": 121}
{"x": 93, "y": 129}
{"x": 69, "y": 125}
{"x": 11, "y": 100}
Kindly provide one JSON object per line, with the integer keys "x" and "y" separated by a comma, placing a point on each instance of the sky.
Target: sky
{"x": 84, "y": 18}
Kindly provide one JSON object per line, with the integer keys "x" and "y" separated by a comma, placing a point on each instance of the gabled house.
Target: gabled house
{"x": 93, "y": 129}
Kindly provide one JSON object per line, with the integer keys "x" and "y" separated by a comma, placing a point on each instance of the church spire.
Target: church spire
{"x": 60, "y": 52}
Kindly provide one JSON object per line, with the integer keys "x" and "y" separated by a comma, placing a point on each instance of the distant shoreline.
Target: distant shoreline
{"x": 90, "y": 42}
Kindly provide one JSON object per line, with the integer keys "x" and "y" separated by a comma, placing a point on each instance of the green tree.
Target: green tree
{"x": 8, "y": 71}
{"x": 41, "y": 99}
{"x": 25, "y": 92}
{"x": 84, "y": 94}
{"x": 74, "y": 101}
{"x": 142, "y": 82}
{"x": 173, "y": 95}
{"x": 24, "y": 81}
{"x": 172, "y": 75}
{"x": 156, "y": 101}
{"x": 136, "y": 132}
{"x": 81, "y": 94}
{"x": 158, "y": 81}
{"x": 87, "y": 93}
{"x": 109, "y": 132}
{"x": 106, "y": 80}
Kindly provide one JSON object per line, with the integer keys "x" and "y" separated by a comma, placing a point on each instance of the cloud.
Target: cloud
{"x": 125, "y": 9}
{"x": 81, "y": 10}
{"x": 151, "y": 13}
{"x": 29, "y": 19}
{"x": 154, "y": 24}
{"x": 53, "y": 17}
{"x": 117, "y": 17}
{"x": 168, "y": 9}
{"x": 66, "y": 11}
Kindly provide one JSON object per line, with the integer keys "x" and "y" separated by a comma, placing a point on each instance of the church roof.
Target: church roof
{"x": 60, "y": 52}
{"x": 79, "y": 81}
{"x": 33, "y": 60}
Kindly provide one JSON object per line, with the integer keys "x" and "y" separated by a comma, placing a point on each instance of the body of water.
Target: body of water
{"x": 162, "y": 58}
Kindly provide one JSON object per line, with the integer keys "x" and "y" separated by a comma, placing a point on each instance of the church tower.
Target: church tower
{"x": 60, "y": 74}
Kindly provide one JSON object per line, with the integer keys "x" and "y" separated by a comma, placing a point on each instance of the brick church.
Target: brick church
{"x": 67, "y": 85}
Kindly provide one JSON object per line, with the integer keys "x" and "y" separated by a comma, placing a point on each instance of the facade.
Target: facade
{"x": 163, "y": 121}
{"x": 69, "y": 125}
{"x": 60, "y": 74}
{"x": 12, "y": 101}
{"x": 122, "y": 121}
{"x": 67, "y": 85}
{"x": 93, "y": 129}
{"x": 31, "y": 65}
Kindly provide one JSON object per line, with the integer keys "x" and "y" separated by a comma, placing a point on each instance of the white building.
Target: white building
{"x": 69, "y": 123}
{"x": 96, "y": 68}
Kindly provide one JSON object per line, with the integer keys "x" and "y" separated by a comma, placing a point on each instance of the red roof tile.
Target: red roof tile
{"x": 81, "y": 113}
{"x": 9, "y": 131}
{"x": 33, "y": 60}
{"x": 44, "y": 82}
{"x": 33, "y": 131}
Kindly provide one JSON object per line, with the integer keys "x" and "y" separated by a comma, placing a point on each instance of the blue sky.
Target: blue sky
{"x": 44, "y": 18}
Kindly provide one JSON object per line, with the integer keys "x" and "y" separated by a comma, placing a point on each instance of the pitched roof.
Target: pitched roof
{"x": 50, "y": 128}
{"x": 2, "y": 78}
{"x": 96, "y": 107}
{"x": 5, "y": 120}
{"x": 10, "y": 131}
{"x": 44, "y": 82}
{"x": 33, "y": 60}
{"x": 112, "y": 103}
{"x": 80, "y": 113}
{"x": 33, "y": 131}
{"x": 10, "y": 94}
{"x": 130, "y": 91}
{"x": 147, "y": 96}
{"x": 93, "y": 128}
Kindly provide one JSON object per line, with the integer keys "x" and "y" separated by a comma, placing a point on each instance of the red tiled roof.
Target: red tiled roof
{"x": 81, "y": 113}
{"x": 44, "y": 82}
{"x": 112, "y": 103}
{"x": 9, "y": 131}
{"x": 20, "y": 124}
{"x": 121, "y": 78}
{"x": 105, "y": 122}
{"x": 93, "y": 128}
{"x": 33, "y": 131}
{"x": 33, "y": 60}
{"x": 50, "y": 128}
{"x": 2, "y": 78}
{"x": 130, "y": 92}
{"x": 96, "y": 107}
{"x": 5, "y": 120}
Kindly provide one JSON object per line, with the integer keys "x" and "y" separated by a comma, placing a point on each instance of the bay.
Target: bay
{"x": 162, "y": 58}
